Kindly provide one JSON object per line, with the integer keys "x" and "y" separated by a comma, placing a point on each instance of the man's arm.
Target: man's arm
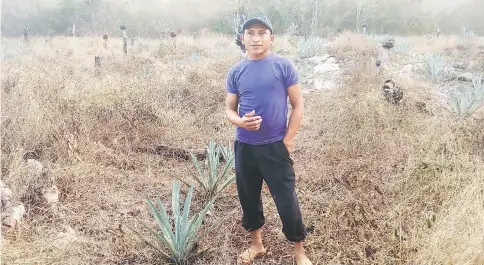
{"x": 231, "y": 103}
{"x": 296, "y": 100}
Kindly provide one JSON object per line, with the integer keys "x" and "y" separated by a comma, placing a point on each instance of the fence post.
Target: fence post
{"x": 97, "y": 65}
{"x": 125, "y": 40}
{"x": 105, "y": 38}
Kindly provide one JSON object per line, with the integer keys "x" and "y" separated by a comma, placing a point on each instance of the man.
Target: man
{"x": 258, "y": 86}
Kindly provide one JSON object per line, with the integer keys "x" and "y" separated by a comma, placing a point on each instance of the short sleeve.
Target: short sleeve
{"x": 291, "y": 75}
{"x": 231, "y": 85}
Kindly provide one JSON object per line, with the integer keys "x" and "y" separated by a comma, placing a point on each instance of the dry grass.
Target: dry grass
{"x": 370, "y": 175}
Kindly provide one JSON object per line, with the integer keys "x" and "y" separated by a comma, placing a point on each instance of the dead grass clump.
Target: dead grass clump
{"x": 455, "y": 236}
{"x": 382, "y": 170}
{"x": 353, "y": 47}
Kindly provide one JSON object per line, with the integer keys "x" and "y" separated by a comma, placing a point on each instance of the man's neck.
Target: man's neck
{"x": 258, "y": 56}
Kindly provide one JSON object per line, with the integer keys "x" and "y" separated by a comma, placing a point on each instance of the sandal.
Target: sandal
{"x": 248, "y": 256}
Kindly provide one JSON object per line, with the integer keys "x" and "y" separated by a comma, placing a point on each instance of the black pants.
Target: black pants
{"x": 271, "y": 163}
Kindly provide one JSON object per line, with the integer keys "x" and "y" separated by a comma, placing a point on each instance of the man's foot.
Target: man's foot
{"x": 250, "y": 254}
{"x": 302, "y": 259}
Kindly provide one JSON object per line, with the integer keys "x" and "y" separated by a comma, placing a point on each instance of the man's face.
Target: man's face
{"x": 257, "y": 39}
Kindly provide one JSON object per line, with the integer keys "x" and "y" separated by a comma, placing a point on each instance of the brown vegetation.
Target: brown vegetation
{"x": 378, "y": 182}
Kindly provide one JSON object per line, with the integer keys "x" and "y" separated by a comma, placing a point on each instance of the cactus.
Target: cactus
{"x": 467, "y": 101}
{"x": 434, "y": 68}
{"x": 311, "y": 46}
{"x": 401, "y": 45}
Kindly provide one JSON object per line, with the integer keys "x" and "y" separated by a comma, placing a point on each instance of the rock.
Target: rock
{"x": 51, "y": 195}
{"x": 319, "y": 59}
{"x": 12, "y": 217}
{"x": 320, "y": 84}
{"x": 35, "y": 167}
{"x": 461, "y": 65}
{"x": 326, "y": 67}
{"x": 331, "y": 60}
{"x": 64, "y": 239}
{"x": 18, "y": 212}
{"x": 408, "y": 68}
{"x": 5, "y": 196}
{"x": 465, "y": 77}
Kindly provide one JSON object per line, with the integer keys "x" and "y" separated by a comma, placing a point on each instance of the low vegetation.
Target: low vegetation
{"x": 377, "y": 182}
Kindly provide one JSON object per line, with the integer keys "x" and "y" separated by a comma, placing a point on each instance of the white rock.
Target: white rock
{"x": 35, "y": 166}
{"x": 51, "y": 195}
{"x": 64, "y": 239}
{"x": 319, "y": 59}
{"x": 324, "y": 68}
{"x": 320, "y": 84}
{"x": 331, "y": 60}
{"x": 407, "y": 68}
{"x": 5, "y": 196}
{"x": 18, "y": 212}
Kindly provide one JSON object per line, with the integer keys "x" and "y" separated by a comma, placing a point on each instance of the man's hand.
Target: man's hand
{"x": 250, "y": 122}
{"x": 288, "y": 144}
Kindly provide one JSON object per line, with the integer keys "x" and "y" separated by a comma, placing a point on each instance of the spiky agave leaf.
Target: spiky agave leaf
{"x": 311, "y": 46}
{"x": 434, "y": 67}
{"x": 184, "y": 222}
{"x": 181, "y": 241}
{"x": 161, "y": 218}
{"x": 468, "y": 101}
{"x": 195, "y": 226}
{"x": 200, "y": 178}
{"x": 223, "y": 176}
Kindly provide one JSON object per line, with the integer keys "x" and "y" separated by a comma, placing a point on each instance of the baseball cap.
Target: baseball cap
{"x": 257, "y": 19}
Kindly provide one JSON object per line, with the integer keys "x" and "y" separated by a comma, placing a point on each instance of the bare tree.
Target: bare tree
{"x": 364, "y": 10}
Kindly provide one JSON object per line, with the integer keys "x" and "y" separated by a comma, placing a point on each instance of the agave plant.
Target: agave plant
{"x": 311, "y": 46}
{"x": 211, "y": 175}
{"x": 401, "y": 45}
{"x": 434, "y": 68}
{"x": 182, "y": 240}
{"x": 468, "y": 101}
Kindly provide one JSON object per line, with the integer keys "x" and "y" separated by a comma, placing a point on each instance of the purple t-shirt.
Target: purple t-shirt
{"x": 261, "y": 85}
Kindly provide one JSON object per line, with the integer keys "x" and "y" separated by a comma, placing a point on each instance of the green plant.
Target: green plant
{"x": 434, "y": 68}
{"x": 311, "y": 46}
{"x": 467, "y": 101}
{"x": 181, "y": 241}
{"x": 211, "y": 175}
{"x": 401, "y": 45}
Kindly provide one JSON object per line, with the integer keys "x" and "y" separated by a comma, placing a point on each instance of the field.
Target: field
{"x": 378, "y": 183}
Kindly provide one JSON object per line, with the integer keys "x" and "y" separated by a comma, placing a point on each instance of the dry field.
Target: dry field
{"x": 378, "y": 183}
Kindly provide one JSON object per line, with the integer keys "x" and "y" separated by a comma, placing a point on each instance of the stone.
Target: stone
{"x": 461, "y": 65}
{"x": 51, "y": 195}
{"x": 326, "y": 67}
{"x": 319, "y": 59}
{"x": 465, "y": 77}
{"x": 320, "y": 84}
{"x": 331, "y": 60}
